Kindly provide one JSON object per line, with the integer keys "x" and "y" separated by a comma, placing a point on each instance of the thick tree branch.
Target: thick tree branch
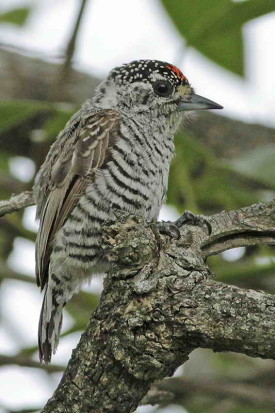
{"x": 159, "y": 303}
{"x": 142, "y": 337}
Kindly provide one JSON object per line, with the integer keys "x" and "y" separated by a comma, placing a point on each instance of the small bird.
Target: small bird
{"x": 113, "y": 154}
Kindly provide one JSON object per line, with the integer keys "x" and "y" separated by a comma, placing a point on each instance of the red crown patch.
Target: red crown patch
{"x": 177, "y": 71}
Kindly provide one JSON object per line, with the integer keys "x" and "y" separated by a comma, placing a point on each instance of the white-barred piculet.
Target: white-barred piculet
{"x": 114, "y": 153}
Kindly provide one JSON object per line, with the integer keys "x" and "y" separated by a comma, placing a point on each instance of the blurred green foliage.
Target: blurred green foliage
{"x": 214, "y": 27}
{"x": 17, "y": 16}
{"x": 201, "y": 182}
{"x": 13, "y": 113}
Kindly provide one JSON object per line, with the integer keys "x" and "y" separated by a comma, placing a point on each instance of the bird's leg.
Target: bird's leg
{"x": 172, "y": 229}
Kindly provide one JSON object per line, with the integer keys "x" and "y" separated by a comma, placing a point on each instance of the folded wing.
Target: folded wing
{"x": 70, "y": 172}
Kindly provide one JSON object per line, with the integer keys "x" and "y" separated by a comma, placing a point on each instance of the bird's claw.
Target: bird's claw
{"x": 188, "y": 218}
{"x": 172, "y": 229}
{"x": 168, "y": 228}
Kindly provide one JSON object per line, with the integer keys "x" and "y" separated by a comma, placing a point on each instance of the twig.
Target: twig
{"x": 16, "y": 202}
{"x": 72, "y": 42}
{"x": 28, "y": 410}
{"x": 157, "y": 396}
{"x": 63, "y": 76}
{"x": 185, "y": 388}
{"x": 24, "y": 361}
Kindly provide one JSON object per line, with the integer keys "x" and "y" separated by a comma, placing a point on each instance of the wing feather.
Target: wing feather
{"x": 70, "y": 172}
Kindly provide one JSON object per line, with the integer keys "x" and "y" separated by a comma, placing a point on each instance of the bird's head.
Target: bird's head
{"x": 150, "y": 86}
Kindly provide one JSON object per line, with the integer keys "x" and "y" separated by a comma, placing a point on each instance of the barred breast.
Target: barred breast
{"x": 134, "y": 180}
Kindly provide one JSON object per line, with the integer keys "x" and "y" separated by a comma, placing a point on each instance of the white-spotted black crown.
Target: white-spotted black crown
{"x": 142, "y": 70}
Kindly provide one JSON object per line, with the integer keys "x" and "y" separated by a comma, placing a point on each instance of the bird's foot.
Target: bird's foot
{"x": 168, "y": 228}
{"x": 188, "y": 218}
{"x": 172, "y": 229}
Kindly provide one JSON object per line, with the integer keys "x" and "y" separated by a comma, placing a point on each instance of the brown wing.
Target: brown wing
{"x": 70, "y": 172}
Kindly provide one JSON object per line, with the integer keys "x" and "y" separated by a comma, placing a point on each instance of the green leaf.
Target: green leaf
{"x": 258, "y": 164}
{"x": 205, "y": 26}
{"x": 16, "y": 16}
{"x": 251, "y": 9}
{"x": 214, "y": 27}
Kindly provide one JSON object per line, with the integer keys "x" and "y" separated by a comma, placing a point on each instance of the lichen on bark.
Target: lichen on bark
{"x": 160, "y": 302}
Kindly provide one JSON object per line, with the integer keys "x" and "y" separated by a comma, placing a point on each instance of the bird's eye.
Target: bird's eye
{"x": 162, "y": 88}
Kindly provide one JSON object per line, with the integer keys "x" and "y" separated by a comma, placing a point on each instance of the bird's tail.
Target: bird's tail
{"x": 50, "y": 323}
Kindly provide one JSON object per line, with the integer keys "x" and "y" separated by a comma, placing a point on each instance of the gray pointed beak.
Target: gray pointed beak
{"x": 198, "y": 103}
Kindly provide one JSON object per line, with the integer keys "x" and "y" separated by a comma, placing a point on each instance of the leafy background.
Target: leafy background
{"x": 221, "y": 163}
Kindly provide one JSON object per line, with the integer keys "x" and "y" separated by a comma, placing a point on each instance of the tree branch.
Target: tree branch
{"x": 24, "y": 361}
{"x": 159, "y": 303}
{"x": 16, "y": 202}
{"x": 66, "y": 68}
{"x": 252, "y": 225}
{"x": 229, "y": 138}
{"x": 183, "y": 389}
{"x": 71, "y": 44}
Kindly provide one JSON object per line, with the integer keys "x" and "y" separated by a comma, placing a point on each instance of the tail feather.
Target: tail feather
{"x": 50, "y": 323}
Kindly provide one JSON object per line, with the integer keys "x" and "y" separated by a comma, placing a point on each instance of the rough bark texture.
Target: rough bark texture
{"x": 159, "y": 303}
